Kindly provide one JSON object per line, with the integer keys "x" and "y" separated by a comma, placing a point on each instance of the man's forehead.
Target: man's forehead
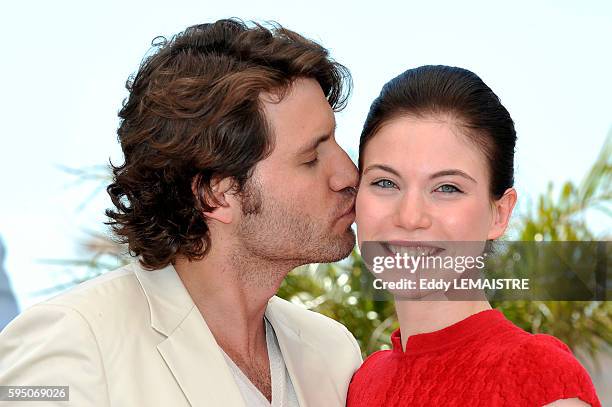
{"x": 299, "y": 116}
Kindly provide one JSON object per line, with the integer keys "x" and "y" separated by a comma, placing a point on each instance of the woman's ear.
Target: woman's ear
{"x": 217, "y": 198}
{"x": 502, "y": 210}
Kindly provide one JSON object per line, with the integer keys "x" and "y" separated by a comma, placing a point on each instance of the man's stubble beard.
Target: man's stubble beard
{"x": 275, "y": 233}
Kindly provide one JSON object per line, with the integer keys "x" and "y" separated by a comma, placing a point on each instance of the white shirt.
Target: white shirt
{"x": 283, "y": 393}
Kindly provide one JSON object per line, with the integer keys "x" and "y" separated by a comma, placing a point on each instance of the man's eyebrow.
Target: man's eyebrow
{"x": 382, "y": 167}
{"x": 314, "y": 144}
{"x": 452, "y": 172}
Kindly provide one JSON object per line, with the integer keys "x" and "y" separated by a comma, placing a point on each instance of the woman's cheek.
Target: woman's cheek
{"x": 370, "y": 214}
{"x": 465, "y": 222}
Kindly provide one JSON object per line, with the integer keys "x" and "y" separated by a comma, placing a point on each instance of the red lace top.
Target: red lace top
{"x": 483, "y": 360}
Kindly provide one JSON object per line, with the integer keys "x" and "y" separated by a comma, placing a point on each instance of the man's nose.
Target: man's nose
{"x": 344, "y": 175}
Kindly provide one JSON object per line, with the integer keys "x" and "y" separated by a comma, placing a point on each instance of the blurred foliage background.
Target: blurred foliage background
{"x": 335, "y": 289}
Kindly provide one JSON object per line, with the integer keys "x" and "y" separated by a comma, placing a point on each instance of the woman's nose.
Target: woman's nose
{"x": 413, "y": 212}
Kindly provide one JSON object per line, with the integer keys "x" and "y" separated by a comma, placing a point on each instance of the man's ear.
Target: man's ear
{"x": 217, "y": 198}
{"x": 502, "y": 210}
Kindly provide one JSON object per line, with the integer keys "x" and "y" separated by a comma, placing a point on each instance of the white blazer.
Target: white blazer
{"x": 135, "y": 338}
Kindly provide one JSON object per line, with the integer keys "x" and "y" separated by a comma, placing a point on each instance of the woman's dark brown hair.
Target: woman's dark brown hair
{"x": 438, "y": 90}
{"x": 193, "y": 113}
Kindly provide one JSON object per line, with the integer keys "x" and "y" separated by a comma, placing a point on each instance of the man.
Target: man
{"x": 232, "y": 177}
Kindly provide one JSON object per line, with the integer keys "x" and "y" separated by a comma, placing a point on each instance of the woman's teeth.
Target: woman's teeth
{"x": 414, "y": 250}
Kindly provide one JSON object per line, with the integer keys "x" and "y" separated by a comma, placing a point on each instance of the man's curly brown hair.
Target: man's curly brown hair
{"x": 193, "y": 114}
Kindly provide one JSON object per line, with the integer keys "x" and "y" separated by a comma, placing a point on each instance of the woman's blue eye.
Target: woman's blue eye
{"x": 385, "y": 183}
{"x": 447, "y": 188}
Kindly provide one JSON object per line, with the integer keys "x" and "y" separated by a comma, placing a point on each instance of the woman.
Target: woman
{"x": 436, "y": 160}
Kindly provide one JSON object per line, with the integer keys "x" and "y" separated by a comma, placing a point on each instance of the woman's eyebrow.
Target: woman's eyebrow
{"x": 432, "y": 176}
{"x": 382, "y": 167}
{"x": 452, "y": 172}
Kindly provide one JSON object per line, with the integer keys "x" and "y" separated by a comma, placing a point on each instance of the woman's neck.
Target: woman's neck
{"x": 416, "y": 317}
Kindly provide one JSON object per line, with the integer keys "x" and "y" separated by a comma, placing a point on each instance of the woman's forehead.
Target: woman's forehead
{"x": 419, "y": 148}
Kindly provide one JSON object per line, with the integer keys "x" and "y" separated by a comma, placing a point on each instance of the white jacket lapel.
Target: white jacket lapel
{"x": 194, "y": 358}
{"x": 305, "y": 364}
{"x": 190, "y": 350}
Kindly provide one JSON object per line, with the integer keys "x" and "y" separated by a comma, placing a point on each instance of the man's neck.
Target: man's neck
{"x": 232, "y": 291}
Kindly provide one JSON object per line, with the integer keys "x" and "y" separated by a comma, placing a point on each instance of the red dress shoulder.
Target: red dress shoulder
{"x": 543, "y": 369}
